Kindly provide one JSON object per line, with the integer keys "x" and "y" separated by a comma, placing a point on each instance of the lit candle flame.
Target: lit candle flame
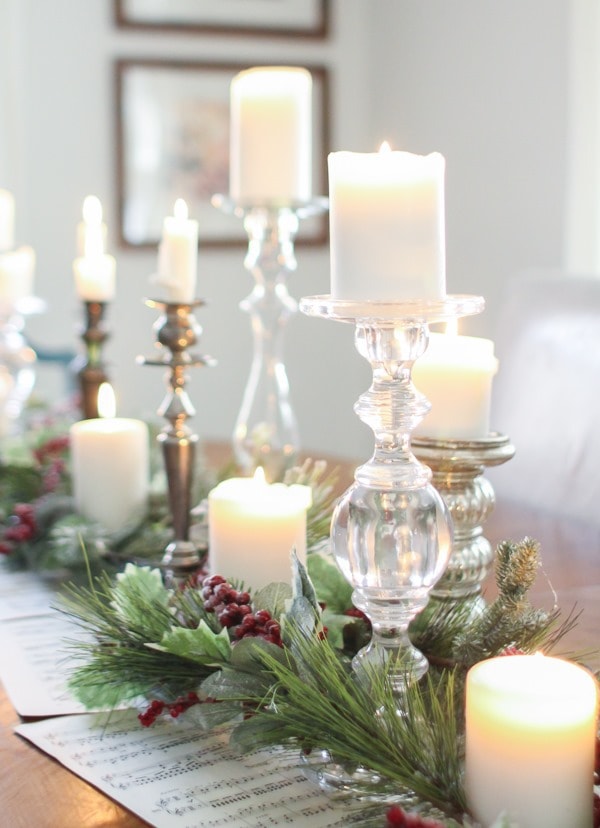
{"x": 180, "y": 210}
{"x": 385, "y": 147}
{"x": 107, "y": 404}
{"x": 259, "y": 476}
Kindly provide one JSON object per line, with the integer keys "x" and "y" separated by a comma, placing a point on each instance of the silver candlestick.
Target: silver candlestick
{"x": 458, "y": 467}
{"x": 177, "y": 331}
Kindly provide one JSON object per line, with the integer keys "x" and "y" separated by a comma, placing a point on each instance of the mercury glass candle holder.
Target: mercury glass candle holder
{"x": 176, "y": 332}
{"x": 391, "y": 530}
{"x": 458, "y": 467}
{"x": 90, "y": 369}
{"x": 266, "y": 429}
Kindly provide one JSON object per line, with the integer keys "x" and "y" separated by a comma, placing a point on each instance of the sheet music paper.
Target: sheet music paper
{"x": 23, "y": 593}
{"x": 33, "y": 663}
{"x": 173, "y": 775}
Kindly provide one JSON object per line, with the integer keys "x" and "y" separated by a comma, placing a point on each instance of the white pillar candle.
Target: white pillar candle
{"x": 94, "y": 270}
{"x": 455, "y": 373}
{"x": 178, "y": 256}
{"x": 7, "y": 220}
{"x": 386, "y": 215}
{"x": 530, "y": 741}
{"x": 110, "y": 468}
{"x": 253, "y": 527}
{"x": 271, "y": 135}
{"x": 16, "y": 276}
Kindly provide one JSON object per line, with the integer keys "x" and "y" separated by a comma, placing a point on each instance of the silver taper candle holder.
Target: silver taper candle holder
{"x": 266, "y": 430}
{"x": 90, "y": 369}
{"x": 458, "y": 467}
{"x": 176, "y": 332}
{"x": 391, "y": 531}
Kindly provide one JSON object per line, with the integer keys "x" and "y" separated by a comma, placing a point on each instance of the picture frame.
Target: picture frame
{"x": 278, "y": 18}
{"x": 172, "y": 141}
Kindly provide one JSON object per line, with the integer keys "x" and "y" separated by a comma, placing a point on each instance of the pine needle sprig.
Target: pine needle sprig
{"x": 511, "y": 620}
{"x": 323, "y": 483}
{"x": 316, "y": 703}
{"x": 116, "y": 663}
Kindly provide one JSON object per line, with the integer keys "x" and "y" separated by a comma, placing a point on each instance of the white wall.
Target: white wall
{"x": 481, "y": 81}
{"x": 484, "y": 83}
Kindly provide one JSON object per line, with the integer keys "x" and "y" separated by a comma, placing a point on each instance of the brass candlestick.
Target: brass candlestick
{"x": 90, "y": 369}
{"x": 457, "y": 467}
{"x": 177, "y": 331}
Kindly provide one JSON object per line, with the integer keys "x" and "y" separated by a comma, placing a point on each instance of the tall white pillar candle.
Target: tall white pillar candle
{"x": 94, "y": 270}
{"x": 271, "y": 135}
{"x": 16, "y": 275}
{"x": 110, "y": 468}
{"x": 178, "y": 256}
{"x": 455, "y": 373}
{"x": 253, "y": 527}
{"x": 530, "y": 741}
{"x": 386, "y": 216}
{"x": 7, "y": 220}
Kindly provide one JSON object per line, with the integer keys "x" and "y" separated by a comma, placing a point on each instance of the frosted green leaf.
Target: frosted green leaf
{"x": 201, "y": 644}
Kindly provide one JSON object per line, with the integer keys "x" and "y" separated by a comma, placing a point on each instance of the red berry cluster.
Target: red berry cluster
{"x": 233, "y": 610}
{"x": 397, "y": 818}
{"x": 50, "y": 459}
{"x": 21, "y": 527}
{"x": 175, "y": 709}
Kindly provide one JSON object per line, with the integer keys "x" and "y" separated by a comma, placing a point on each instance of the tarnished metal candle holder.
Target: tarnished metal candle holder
{"x": 90, "y": 369}
{"x": 266, "y": 430}
{"x": 458, "y": 467}
{"x": 177, "y": 331}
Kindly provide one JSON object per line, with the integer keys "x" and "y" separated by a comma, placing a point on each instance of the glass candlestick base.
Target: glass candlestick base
{"x": 391, "y": 530}
{"x": 266, "y": 430}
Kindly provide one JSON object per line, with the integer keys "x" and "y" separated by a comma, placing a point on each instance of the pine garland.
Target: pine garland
{"x": 170, "y": 646}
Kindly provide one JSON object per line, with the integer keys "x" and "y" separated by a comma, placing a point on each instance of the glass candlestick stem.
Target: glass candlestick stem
{"x": 266, "y": 429}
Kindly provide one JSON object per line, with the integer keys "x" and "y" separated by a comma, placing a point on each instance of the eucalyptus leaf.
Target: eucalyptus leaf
{"x": 332, "y": 588}
{"x": 233, "y": 685}
{"x": 209, "y": 715}
{"x": 246, "y": 655}
{"x": 302, "y": 586}
{"x": 273, "y": 598}
{"x": 255, "y": 732}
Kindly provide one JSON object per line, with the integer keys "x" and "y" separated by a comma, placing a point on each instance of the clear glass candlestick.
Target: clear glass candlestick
{"x": 17, "y": 362}
{"x": 391, "y": 530}
{"x": 266, "y": 430}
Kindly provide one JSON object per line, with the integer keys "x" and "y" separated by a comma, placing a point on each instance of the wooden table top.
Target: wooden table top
{"x": 37, "y": 792}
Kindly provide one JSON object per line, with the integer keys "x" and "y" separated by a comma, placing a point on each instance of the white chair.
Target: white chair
{"x": 546, "y": 395}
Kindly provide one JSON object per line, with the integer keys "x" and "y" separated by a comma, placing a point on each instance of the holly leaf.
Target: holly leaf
{"x": 137, "y": 591}
{"x": 201, "y": 644}
{"x": 245, "y": 656}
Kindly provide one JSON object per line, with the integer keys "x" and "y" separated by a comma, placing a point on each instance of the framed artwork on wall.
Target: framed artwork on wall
{"x": 298, "y": 18}
{"x": 173, "y": 142}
